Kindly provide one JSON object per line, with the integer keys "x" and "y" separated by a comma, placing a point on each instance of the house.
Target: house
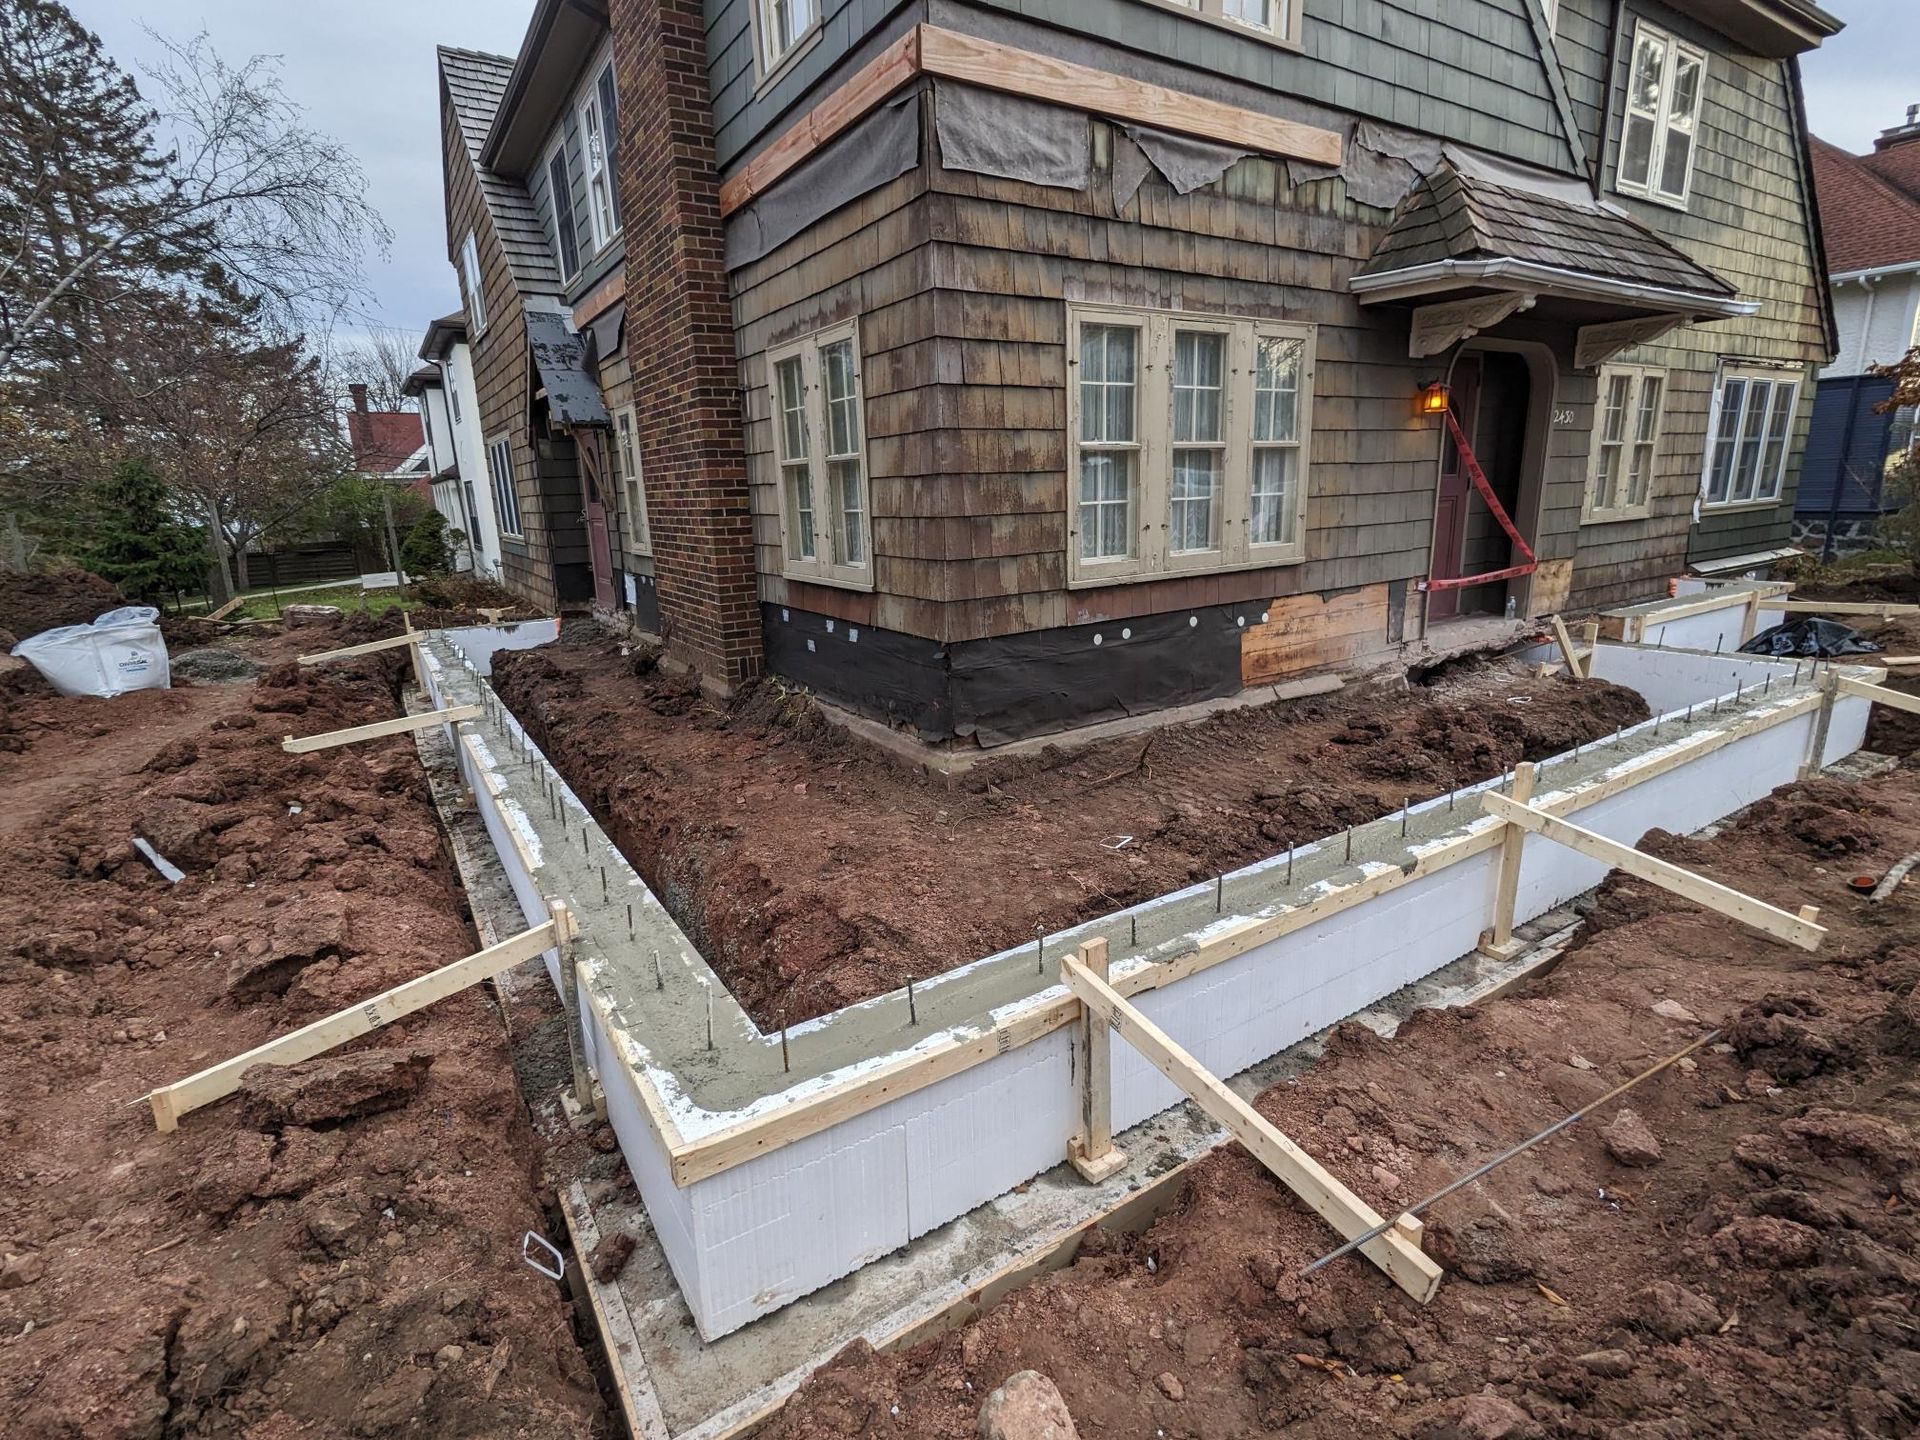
{"x": 995, "y": 368}
{"x": 453, "y": 427}
{"x": 390, "y": 444}
{"x": 1870, "y": 216}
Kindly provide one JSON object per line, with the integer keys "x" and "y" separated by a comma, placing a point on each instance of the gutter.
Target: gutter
{"x": 1905, "y": 267}
{"x": 1507, "y": 273}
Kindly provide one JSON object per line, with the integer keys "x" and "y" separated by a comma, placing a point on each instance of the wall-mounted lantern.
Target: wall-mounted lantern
{"x": 1433, "y": 398}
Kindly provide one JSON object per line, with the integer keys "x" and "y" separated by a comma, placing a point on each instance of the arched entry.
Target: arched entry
{"x": 1502, "y": 395}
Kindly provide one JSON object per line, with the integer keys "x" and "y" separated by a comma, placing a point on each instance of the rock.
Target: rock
{"x": 1480, "y": 1417}
{"x": 1483, "y": 1246}
{"x": 1580, "y": 1062}
{"x": 1630, "y": 1141}
{"x": 18, "y": 1270}
{"x": 333, "y": 1087}
{"x": 447, "y": 1354}
{"x": 1674, "y": 1010}
{"x": 315, "y": 930}
{"x": 1170, "y": 1386}
{"x": 338, "y": 1218}
{"x": 1672, "y": 1312}
{"x": 1607, "y": 1364}
{"x": 610, "y": 1256}
{"x": 219, "y": 666}
{"x": 1767, "y": 1242}
{"x": 295, "y": 615}
{"x": 1027, "y": 1407}
{"x": 1386, "y": 1179}
{"x": 234, "y": 1169}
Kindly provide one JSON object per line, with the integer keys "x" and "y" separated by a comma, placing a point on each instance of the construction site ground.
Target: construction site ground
{"x": 334, "y": 1253}
{"x": 814, "y": 870}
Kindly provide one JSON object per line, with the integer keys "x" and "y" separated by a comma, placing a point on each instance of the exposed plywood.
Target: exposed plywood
{"x": 1313, "y": 632}
{"x": 1552, "y": 584}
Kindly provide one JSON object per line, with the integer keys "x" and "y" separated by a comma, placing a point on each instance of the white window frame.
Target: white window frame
{"x": 770, "y": 61}
{"x": 506, "y": 493}
{"x": 623, "y": 454}
{"x": 1150, "y": 495}
{"x": 470, "y": 276}
{"x": 596, "y": 163}
{"x": 1661, "y": 117}
{"x": 1638, "y": 378}
{"x": 1283, "y": 18}
{"x": 1766, "y": 488}
{"x": 829, "y": 532}
{"x": 568, "y": 229}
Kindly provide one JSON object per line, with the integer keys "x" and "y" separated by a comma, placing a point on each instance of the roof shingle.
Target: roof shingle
{"x": 1866, "y": 221}
{"x": 475, "y": 83}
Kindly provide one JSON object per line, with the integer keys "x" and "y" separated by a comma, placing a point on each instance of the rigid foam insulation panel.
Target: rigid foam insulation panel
{"x": 754, "y": 1237}
{"x": 1713, "y": 630}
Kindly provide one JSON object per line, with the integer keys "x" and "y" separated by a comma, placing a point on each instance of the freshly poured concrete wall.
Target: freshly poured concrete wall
{"x": 751, "y": 1238}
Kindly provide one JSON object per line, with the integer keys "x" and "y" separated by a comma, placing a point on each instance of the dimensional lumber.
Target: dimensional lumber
{"x": 1794, "y": 929}
{"x": 228, "y": 608}
{"x": 1566, "y": 648}
{"x": 1879, "y": 694}
{"x": 1091, "y": 1151}
{"x": 1080, "y": 87}
{"x": 399, "y": 725}
{"x": 1846, "y": 607}
{"x": 1403, "y": 1261}
{"x": 1512, "y": 846}
{"x": 392, "y": 642}
{"x": 170, "y": 1102}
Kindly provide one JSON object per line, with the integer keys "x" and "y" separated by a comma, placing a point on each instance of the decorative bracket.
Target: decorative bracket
{"x": 1597, "y": 344}
{"x": 1439, "y": 327}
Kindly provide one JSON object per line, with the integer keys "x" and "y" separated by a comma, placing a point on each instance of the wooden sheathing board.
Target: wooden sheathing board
{"x": 1314, "y": 632}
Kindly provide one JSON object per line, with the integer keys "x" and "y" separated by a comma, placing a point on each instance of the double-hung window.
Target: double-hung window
{"x": 1271, "y": 19}
{"x": 599, "y": 114}
{"x": 626, "y": 472}
{"x": 1187, "y": 443}
{"x": 470, "y": 274}
{"x": 820, "y": 452}
{"x": 1666, "y": 84}
{"x": 506, "y": 499}
{"x": 560, "y": 197}
{"x": 783, "y": 25}
{"x": 1748, "y": 435}
{"x": 1626, "y": 440}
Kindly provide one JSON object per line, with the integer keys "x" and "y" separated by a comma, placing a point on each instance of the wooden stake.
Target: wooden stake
{"x": 1567, "y": 651}
{"x": 1769, "y": 920}
{"x": 1393, "y": 1251}
{"x": 399, "y": 725}
{"x": 1822, "y": 722}
{"x": 1498, "y": 942}
{"x": 392, "y": 642}
{"x": 1090, "y": 1149}
{"x": 570, "y": 1004}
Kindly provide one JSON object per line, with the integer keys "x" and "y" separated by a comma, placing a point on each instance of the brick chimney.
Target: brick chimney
{"x": 1900, "y": 134}
{"x": 686, "y": 377}
{"x": 359, "y": 394}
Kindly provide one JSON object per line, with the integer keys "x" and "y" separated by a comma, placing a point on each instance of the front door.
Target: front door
{"x": 1450, "y": 510}
{"x": 599, "y": 537}
{"x": 1492, "y": 399}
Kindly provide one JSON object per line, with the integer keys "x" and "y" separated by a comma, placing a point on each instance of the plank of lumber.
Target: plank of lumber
{"x": 1565, "y": 642}
{"x": 1102, "y": 92}
{"x": 170, "y": 1102}
{"x": 1847, "y": 607}
{"x": 392, "y": 642}
{"x": 228, "y": 608}
{"x": 399, "y": 725}
{"x": 870, "y": 85}
{"x": 1794, "y": 929}
{"x": 1091, "y": 1149}
{"x": 1512, "y": 849}
{"x": 1404, "y": 1263}
{"x": 1879, "y": 694}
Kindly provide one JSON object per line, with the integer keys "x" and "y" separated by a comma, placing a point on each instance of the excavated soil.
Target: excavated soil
{"x": 335, "y": 1251}
{"x": 1753, "y": 1273}
{"x": 814, "y": 870}
{"x": 30, "y": 603}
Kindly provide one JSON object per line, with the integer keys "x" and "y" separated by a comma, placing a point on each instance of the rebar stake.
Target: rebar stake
{"x": 913, "y": 1014}
{"x": 659, "y": 976}
{"x": 603, "y": 885}
{"x": 1289, "y": 860}
{"x": 1349, "y": 844}
{"x": 709, "y": 987}
{"x": 1405, "y": 805}
{"x": 1219, "y": 892}
{"x": 786, "y": 1061}
{"x": 629, "y": 920}
{"x": 1040, "y": 949}
{"x": 1133, "y": 932}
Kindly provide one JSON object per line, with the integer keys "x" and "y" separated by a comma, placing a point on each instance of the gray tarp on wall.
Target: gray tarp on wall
{"x": 883, "y": 146}
{"x": 1184, "y": 162}
{"x": 1382, "y": 164}
{"x": 1013, "y": 137}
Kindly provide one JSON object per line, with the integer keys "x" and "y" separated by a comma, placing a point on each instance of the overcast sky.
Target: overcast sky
{"x": 364, "y": 71}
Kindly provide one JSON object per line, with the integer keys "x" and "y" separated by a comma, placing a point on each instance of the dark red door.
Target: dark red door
{"x": 599, "y": 538}
{"x": 1450, "y": 510}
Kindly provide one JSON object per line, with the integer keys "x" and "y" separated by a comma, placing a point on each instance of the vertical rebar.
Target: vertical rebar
{"x": 1289, "y": 860}
{"x": 629, "y": 920}
{"x": 1133, "y": 932}
{"x": 1405, "y": 806}
{"x": 1219, "y": 892}
{"x": 659, "y": 976}
{"x": 709, "y": 988}
{"x": 1039, "y": 949}
{"x": 786, "y": 1060}
{"x": 913, "y": 1013}
{"x": 1349, "y": 844}
{"x": 603, "y": 885}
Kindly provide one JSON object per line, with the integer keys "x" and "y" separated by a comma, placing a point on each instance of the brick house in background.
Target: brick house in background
{"x": 998, "y": 367}
{"x": 389, "y": 444}
{"x": 1870, "y": 215}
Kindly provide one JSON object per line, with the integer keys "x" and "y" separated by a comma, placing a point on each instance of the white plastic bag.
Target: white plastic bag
{"x": 120, "y": 651}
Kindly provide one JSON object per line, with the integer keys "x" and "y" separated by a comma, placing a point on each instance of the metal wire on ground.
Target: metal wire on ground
{"x": 1506, "y": 1155}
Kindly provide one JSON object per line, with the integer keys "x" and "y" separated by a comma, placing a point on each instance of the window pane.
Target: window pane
{"x": 800, "y": 504}
{"x": 842, "y": 397}
{"x": 793, "y": 414}
{"x": 1196, "y": 476}
{"x": 1746, "y": 467}
{"x": 1640, "y": 475}
{"x": 1647, "y": 420}
{"x": 1682, "y": 120}
{"x": 1107, "y": 383}
{"x": 1649, "y": 70}
{"x": 1199, "y": 360}
{"x": 849, "y": 495}
{"x": 1636, "y": 150}
{"x": 560, "y": 189}
{"x": 1106, "y": 499}
{"x": 1276, "y": 393}
{"x": 1606, "y": 478}
{"x": 1272, "y": 518}
{"x": 1773, "y": 462}
{"x": 1733, "y": 394}
{"x": 1614, "y": 420}
{"x": 610, "y": 115}
{"x": 1257, "y": 13}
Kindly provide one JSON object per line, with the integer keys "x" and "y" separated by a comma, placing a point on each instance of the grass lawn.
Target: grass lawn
{"x": 262, "y": 605}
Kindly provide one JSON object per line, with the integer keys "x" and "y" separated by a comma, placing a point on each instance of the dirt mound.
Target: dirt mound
{"x": 40, "y": 601}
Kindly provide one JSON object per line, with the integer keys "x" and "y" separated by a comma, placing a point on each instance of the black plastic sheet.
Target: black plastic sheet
{"x": 1810, "y": 636}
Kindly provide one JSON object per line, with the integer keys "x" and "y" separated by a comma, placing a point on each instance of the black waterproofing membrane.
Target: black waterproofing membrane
{"x": 1810, "y": 636}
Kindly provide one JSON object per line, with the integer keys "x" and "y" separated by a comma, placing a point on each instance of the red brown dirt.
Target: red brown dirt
{"x": 42, "y": 600}
{"x": 814, "y": 870}
{"x": 335, "y": 1251}
{"x": 1759, "y": 1279}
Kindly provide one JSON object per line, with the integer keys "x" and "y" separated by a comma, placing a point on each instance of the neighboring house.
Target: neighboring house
{"x": 388, "y": 443}
{"x": 427, "y": 387}
{"x": 445, "y": 348}
{"x": 998, "y": 367}
{"x": 1870, "y": 215}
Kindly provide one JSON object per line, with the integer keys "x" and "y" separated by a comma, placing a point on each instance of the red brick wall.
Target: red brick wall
{"x": 679, "y": 328}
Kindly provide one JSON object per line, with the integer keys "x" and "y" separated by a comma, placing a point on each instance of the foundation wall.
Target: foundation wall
{"x": 747, "y": 1240}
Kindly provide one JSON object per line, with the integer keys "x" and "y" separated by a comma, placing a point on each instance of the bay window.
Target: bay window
{"x": 1749, "y": 434}
{"x": 820, "y": 453}
{"x": 1186, "y": 440}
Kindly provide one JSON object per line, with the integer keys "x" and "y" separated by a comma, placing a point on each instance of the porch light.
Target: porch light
{"x": 1432, "y": 399}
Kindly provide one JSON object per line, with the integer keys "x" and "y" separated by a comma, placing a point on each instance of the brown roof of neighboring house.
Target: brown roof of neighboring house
{"x": 1899, "y": 165}
{"x": 383, "y": 440}
{"x": 1867, "y": 221}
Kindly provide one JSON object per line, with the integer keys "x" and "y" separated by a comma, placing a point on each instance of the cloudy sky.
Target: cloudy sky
{"x": 364, "y": 71}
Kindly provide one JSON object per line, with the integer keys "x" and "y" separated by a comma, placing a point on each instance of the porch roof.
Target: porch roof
{"x": 1457, "y": 235}
{"x": 559, "y": 361}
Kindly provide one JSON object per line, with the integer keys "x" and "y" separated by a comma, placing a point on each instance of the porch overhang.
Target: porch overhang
{"x": 1463, "y": 279}
{"x": 557, "y": 356}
